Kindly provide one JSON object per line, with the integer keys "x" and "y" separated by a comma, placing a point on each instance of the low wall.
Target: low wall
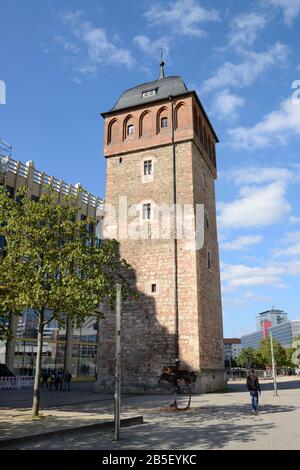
{"x": 208, "y": 380}
{"x": 16, "y": 383}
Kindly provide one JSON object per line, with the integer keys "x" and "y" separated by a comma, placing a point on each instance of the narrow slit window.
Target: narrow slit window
{"x": 164, "y": 122}
{"x": 153, "y": 288}
{"x": 146, "y": 211}
{"x": 147, "y": 167}
{"x": 130, "y": 129}
{"x": 208, "y": 260}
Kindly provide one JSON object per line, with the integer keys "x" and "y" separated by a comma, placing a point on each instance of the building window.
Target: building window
{"x": 120, "y": 160}
{"x": 164, "y": 122}
{"x": 130, "y": 129}
{"x": 147, "y": 167}
{"x": 204, "y": 180}
{"x": 153, "y": 288}
{"x": 83, "y": 217}
{"x": 148, "y": 93}
{"x": 208, "y": 260}
{"x": 34, "y": 198}
{"x": 147, "y": 211}
{"x": 206, "y": 221}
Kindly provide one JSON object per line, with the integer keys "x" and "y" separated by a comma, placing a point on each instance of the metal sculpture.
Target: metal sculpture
{"x": 177, "y": 377}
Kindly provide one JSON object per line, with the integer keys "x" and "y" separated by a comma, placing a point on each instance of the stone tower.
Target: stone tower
{"x": 160, "y": 148}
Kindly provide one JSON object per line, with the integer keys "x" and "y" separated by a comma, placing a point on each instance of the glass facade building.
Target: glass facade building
{"x": 284, "y": 333}
{"x": 83, "y": 347}
{"x": 72, "y": 348}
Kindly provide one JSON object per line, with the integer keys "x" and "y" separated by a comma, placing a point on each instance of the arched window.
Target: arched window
{"x": 195, "y": 121}
{"x": 146, "y": 124}
{"x": 200, "y": 132}
{"x": 113, "y": 131}
{"x": 205, "y": 139}
{"x": 161, "y": 119}
{"x": 128, "y": 127}
{"x": 164, "y": 122}
{"x": 181, "y": 118}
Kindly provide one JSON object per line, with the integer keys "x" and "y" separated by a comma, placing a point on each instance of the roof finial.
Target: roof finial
{"x": 162, "y": 71}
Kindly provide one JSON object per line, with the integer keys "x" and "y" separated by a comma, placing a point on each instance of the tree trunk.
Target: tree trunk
{"x": 38, "y": 365}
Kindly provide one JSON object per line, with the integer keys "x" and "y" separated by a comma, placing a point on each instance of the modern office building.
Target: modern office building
{"x": 74, "y": 348}
{"x": 284, "y": 333}
{"x": 274, "y": 316}
{"x": 232, "y": 348}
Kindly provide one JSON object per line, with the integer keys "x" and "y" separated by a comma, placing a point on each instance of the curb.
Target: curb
{"x": 107, "y": 425}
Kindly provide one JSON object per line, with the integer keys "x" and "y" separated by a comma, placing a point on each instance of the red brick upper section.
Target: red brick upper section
{"x": 149, "y": 126}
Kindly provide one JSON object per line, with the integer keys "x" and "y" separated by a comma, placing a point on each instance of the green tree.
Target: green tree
{"x": 258, "y": 360}
{"x": 246, "y": 358}
{"x": 53, "y": 263}
{"x": 279, "y": 353}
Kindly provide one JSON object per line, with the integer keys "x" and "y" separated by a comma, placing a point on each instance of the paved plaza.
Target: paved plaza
{"x": 217, "y": 420}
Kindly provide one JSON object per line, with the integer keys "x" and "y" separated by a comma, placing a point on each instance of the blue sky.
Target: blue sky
{"x": 64, "y": 62}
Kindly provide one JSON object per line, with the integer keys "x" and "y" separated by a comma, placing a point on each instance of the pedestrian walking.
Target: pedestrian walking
{"x": 67, "y": 380}
{"x": 59, "y": 380}
{"x": 52, "y": 380}
{"x": 45, "y": 377}
{"x": 254, "y": 389}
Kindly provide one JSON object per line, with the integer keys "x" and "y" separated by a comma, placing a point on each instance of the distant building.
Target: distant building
{"x": 284, "y": 333}
{"x": 72, "y": 348}
{"x": 232, "y": 348}
{"x": 276, "y": 317}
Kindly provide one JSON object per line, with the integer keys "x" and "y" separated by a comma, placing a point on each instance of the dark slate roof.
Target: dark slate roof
{"x": 165, "y": 87}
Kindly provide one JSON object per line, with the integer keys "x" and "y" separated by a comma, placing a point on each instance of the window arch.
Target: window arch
{"x": 205, "y": 139}
{"x": 161, "y": 119}
{"x": 195, "y": 123}
{"x": 145, "y": 124}
{"x": 180, "y": 116}
{"x": 113, "y": 131}
{"x": 209, "y": 148}
{"x": 128, "y": 127}
{"x": 200, "y": 132}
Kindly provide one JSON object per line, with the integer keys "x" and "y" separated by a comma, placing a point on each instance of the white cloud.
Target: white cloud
{"x": 153, "y": 47}
{"x": 181, "y": 16}
{"x": 244, "y": 29}
{"x": 242, "y": 242}
{"x": 240, "y": 275}
{"x": 225, "y": 105}
{"x": 245, "y": 73}
{"x": 291, "y": 9}
{"x": 275, "y": 127}
{"x": 244, "y": 298}
{"x": 98, "y": 48}
{"x": 249, "y": 295}
{"x": 67, "y": 45}
{"x": 294, "y": 220}
{"x": 292, "y": 248}
{"x": 256, "y": 206}
{"x": 258, "y": 175}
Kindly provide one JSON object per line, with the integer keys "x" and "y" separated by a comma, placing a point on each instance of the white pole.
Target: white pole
{"x": 273, "y": 365}
{"x": 118, "y": 364}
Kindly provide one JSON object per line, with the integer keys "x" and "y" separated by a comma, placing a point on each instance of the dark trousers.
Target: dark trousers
{"x": 254, "y": 399}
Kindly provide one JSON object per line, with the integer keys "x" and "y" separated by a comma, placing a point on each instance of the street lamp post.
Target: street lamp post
{"x": 117, "y": 407}
{"x": 273, "y": 366}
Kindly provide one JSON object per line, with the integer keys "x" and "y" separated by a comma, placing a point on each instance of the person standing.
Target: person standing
{"x": 254, "y": 389}
{"x": 67, "y": 380}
